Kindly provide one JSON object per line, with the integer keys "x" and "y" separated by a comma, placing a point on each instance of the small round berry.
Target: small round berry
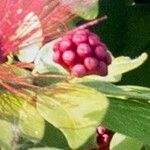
{"x": 108, "y": 58}
{"x": 91, "y": 63}
{"x": 78, "y": 70}
{"x": 65, "y": 45}
{"x": 80, "y": 37}
{"x": 83, "y": 32}
{"x": 94, "y": 40}
{"x": 101, "y": 130}
{"x": 100, "y": 52}
{"x": 84, "y": 50}
{"x": 106, "y": 138}
{"x": 57, "y": 57}
{"x": 69, "y": 57}
{"x": 103, "y": 70}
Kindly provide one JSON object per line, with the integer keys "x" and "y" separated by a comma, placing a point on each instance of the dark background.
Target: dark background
{"x": 127, "y": 32}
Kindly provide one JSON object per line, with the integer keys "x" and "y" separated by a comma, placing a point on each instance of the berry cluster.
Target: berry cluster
{"x": 104, "y": 137}
{"x": 82, "y": 53}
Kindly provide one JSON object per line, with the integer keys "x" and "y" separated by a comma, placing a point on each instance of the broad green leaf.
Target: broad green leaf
{"x": 129, "y": 108}
{"x": 130, "y": 117}
{"x": 122, "y": 142}
{"x": 6, "y": 135}
{"x": 123, "y": 64}
{"x": 31, "y": 124}
{"x": 10, "y": 105}
{"x": 45, "y": 148}
{"x": 111, "y": 90}
{"x": 75, "y": 109}
{"x": 51, "y": 134}
{"x": 85, "y": 9}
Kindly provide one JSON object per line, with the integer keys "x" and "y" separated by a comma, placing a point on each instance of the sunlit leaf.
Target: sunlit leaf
{"x": 122, "y": 142}
{"x": 74, "y": 109}
{"x": 45, "y": 148}
{"x": 10, "y": 105}
{"x": 86, "y": 9}
{"x": 123, "y": 64}
{"x": 31, "y": 124}
{"x": 129, "y": 108}
{"x": 111, "y": 90}
{"x": 6, "y": 135}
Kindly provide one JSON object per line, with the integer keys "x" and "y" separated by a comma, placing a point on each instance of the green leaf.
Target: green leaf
{"x": 146, "y": 147}
{"x": 129, "y": 108}
{"x": 6, "y": 135}
{"x": 10, "y": 105}
{"x": 51, "y": 134}
{"x": 75, "y": 109}
{"x": 45, "y": 148}
{"x": 119, "y": 66}
{"x": 85, "y": 9}
{"x": 123, "y": 64}
{"x": 31, "y": 124}
{"x": 130, "y": 117}
{"x": 122, "y": 142}
{"x": 111, "y": 90}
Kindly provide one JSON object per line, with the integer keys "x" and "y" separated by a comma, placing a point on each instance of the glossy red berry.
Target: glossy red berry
{"x": 65, "y": 45}
{"x": 104, "y": 137}
{"x": 79, "y": 38}
{"x": 82, "y": 53}
{"x": 93, "y": 40}
{"x": 78, "y": 70}
{"x": 91, "y": 63}
{"x": 84, "y": 50}
{"x": 103, "y": 70}
{"x": 100, "y": 52}
{"x": 69, "y": 57}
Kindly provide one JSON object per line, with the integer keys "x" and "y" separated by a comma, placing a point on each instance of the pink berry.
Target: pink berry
{"x": 83, "y": 32}
{"x": 100, "y": 52}
{"x": 108, "y": 59}
{"x": 91, "y": 63}
{"x": 56, "y": 46}
{"x": 57, "y": 57}
{"x": 105, "y": 138}
{"x": 69, "y": 57}
{"x": 103, "y": 70}
{"x": 78, "y": 70}
{"x": 79, "y": 38}
{"x": 101, "y": 130}
{"x": 65, "y": 45}
{"x": 82, "y": 53}
{"x": 84, "y": 50}
{"x": 94, "y": 40}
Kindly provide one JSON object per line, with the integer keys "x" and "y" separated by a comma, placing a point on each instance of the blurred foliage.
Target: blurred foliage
{"x": 72, "y": 110}
{"x": 126, "y": 32}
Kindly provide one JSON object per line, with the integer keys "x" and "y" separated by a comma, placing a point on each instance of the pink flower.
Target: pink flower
{"x": 28, "y": 24}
